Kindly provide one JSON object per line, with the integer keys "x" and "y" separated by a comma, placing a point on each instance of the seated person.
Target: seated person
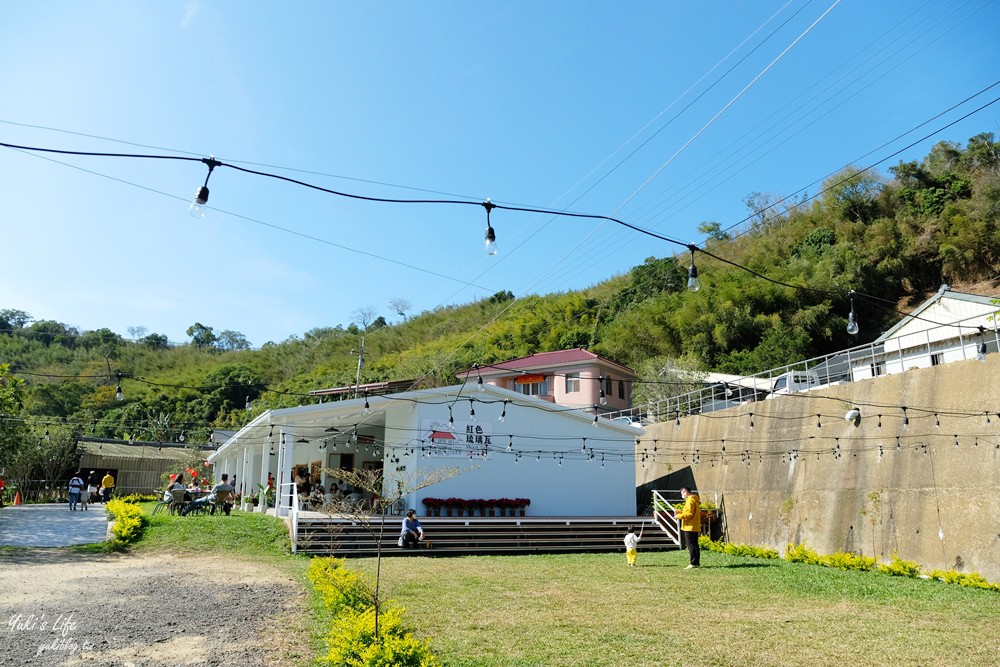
{"x": 334, "y": 494}
{"x": 211, "y": 498}
{"x": 317, "y": 497}
{"x": 412, "y": 532}
{"x": 193, "y": 487}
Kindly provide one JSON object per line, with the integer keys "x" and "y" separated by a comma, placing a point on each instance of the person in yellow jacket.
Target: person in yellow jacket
{"x": 107, "y": 484}
{"x": 690, "y": 518}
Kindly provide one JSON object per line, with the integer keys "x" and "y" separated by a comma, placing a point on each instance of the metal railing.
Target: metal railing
{"x": 665, "y": 516}
{"x": 293, "y": 512}
{"x": 928, "y": 347}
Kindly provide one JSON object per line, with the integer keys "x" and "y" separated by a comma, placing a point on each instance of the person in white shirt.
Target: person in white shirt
{"x": 631, "y": 544}
{"x": 75, "y": 486}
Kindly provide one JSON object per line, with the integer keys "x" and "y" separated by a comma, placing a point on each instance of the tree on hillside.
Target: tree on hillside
{"x": 11, "y": 318}
{"x": 50, "y": 332}
{"x": 12, "y": 431}
{"x": 155, "y": 341}
{"x": 365, "y": 315}
{"x": 105, "y": 340}
{"x": 713, "y": 230}
{"x": 232, "y": 340}
{"x": 201, "y": 336}
{"x": 137, "y": 332}
{"x": 401, "y": 306}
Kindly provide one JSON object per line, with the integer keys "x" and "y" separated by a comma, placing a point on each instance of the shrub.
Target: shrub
{"x": 843, "y": 560}
{"x": 801, "y": 554}
{"x": 352, "y": 642}
{"x": 971, "y": 579}
{"x": 340, "y": 587}
{"x": 140, "y": 498}
{"x": 743, "y": 550}
{"x": 129, "y": 520}
{"x": 898, "y": 567}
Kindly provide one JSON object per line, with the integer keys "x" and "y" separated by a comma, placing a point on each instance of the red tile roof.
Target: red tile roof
{"x": 545, "y": 360}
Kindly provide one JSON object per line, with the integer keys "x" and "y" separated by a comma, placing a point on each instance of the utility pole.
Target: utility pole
{"x": 361, "y": 364}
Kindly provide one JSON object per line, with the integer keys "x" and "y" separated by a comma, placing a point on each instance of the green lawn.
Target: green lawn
{"x": 590, "y": 609}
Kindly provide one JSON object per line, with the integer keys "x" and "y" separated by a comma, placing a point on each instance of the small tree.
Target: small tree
{"x": 401, "y": 306}
{"x": 365, "y": 315}
{"x": 396, "y": 488}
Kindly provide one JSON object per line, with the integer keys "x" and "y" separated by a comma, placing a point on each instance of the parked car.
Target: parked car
{"x": 628, "y": 421}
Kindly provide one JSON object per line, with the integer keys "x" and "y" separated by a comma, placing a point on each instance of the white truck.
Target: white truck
{"x": 793, "y": 381}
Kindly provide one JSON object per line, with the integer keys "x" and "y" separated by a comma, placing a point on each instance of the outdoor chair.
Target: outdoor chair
{"x": 221, "y": 498}
{"x": 163, "y": 503}
{"x": 177, "y": 503}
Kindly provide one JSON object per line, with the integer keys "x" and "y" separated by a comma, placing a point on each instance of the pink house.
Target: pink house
{"x": 572, "y": 378}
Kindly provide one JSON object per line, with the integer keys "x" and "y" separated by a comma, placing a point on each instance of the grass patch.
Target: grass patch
{"x": 589, "y": 609}
{"x": 248, "y": 534}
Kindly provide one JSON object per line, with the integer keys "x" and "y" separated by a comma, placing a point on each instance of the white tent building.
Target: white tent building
{"x": 565, "y": 461}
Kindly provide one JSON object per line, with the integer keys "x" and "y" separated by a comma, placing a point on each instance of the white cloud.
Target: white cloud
{"x": 190, "y": 11}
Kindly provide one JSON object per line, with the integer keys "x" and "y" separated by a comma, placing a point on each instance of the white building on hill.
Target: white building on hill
{"x": 565, "y": 461}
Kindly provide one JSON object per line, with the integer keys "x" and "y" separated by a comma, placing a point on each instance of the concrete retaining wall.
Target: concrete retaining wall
{"x": 900, "y": 502}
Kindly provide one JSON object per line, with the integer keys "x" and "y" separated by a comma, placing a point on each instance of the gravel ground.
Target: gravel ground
{"x": 60, "y": 608}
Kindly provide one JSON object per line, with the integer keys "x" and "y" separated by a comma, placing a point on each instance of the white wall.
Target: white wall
{"x": 577, "y": 487}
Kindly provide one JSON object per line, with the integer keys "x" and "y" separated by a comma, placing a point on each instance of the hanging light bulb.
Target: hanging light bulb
{"x": 472, "y": 410}
{"x": 119, "y": 394}
{"x": 852, "y": 322}
{"x": 451, "y": 419}
{"x": 47, "y": 433}
{"x": 197, "y": 207}
{"x": 180, "y": 438}
{"x": 247, "y": 406}
{"x": 482, "y": 387}
{"x": 906, "y": 419}
{"x": 503, "y": 413}
{"x": 937, "y": 422}
{"x": 595, "y": 421}
{"x": 693, "y": 283}
{"x": 491, "y": 236}
{"x": 368, "y": 408}
{"x": 981, "y": 347}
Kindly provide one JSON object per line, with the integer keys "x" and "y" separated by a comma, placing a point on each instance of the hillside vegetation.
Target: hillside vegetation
{"x": 895, "y": 236}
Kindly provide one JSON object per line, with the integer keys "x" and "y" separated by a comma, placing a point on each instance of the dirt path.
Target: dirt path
{"x": 60, "y": 608}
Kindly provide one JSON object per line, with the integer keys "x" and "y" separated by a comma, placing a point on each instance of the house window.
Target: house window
{"x": 878, "y": 368}
{"x": 532, "y": 389}
{"x": 607, "y": 386}
{"x": 572, "y": 382}
{"x": 937, "y": 358}
{"x": 621, "y": 389}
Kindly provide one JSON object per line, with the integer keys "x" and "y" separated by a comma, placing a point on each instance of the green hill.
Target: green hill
{"x": 893, "y": 238}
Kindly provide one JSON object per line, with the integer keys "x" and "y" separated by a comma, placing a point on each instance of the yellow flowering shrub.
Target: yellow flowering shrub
{"x": 129, "y": 520}
{"x": 339, "y": 586}
{"x": 352, "y": 642}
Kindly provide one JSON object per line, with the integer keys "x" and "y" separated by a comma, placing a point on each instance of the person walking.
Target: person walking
{"x": 107, "y": 484}
{"x": 690, "y": 518}
{"x": 91, "y": 489}
{"x": 75, "y": 486}
{"x": 631, "y": 544}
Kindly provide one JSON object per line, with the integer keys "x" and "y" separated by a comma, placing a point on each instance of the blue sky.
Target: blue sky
{"x": 529, "y": 103}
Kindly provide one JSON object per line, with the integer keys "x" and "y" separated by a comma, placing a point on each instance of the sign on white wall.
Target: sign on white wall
{"x": 468, "y": 439}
